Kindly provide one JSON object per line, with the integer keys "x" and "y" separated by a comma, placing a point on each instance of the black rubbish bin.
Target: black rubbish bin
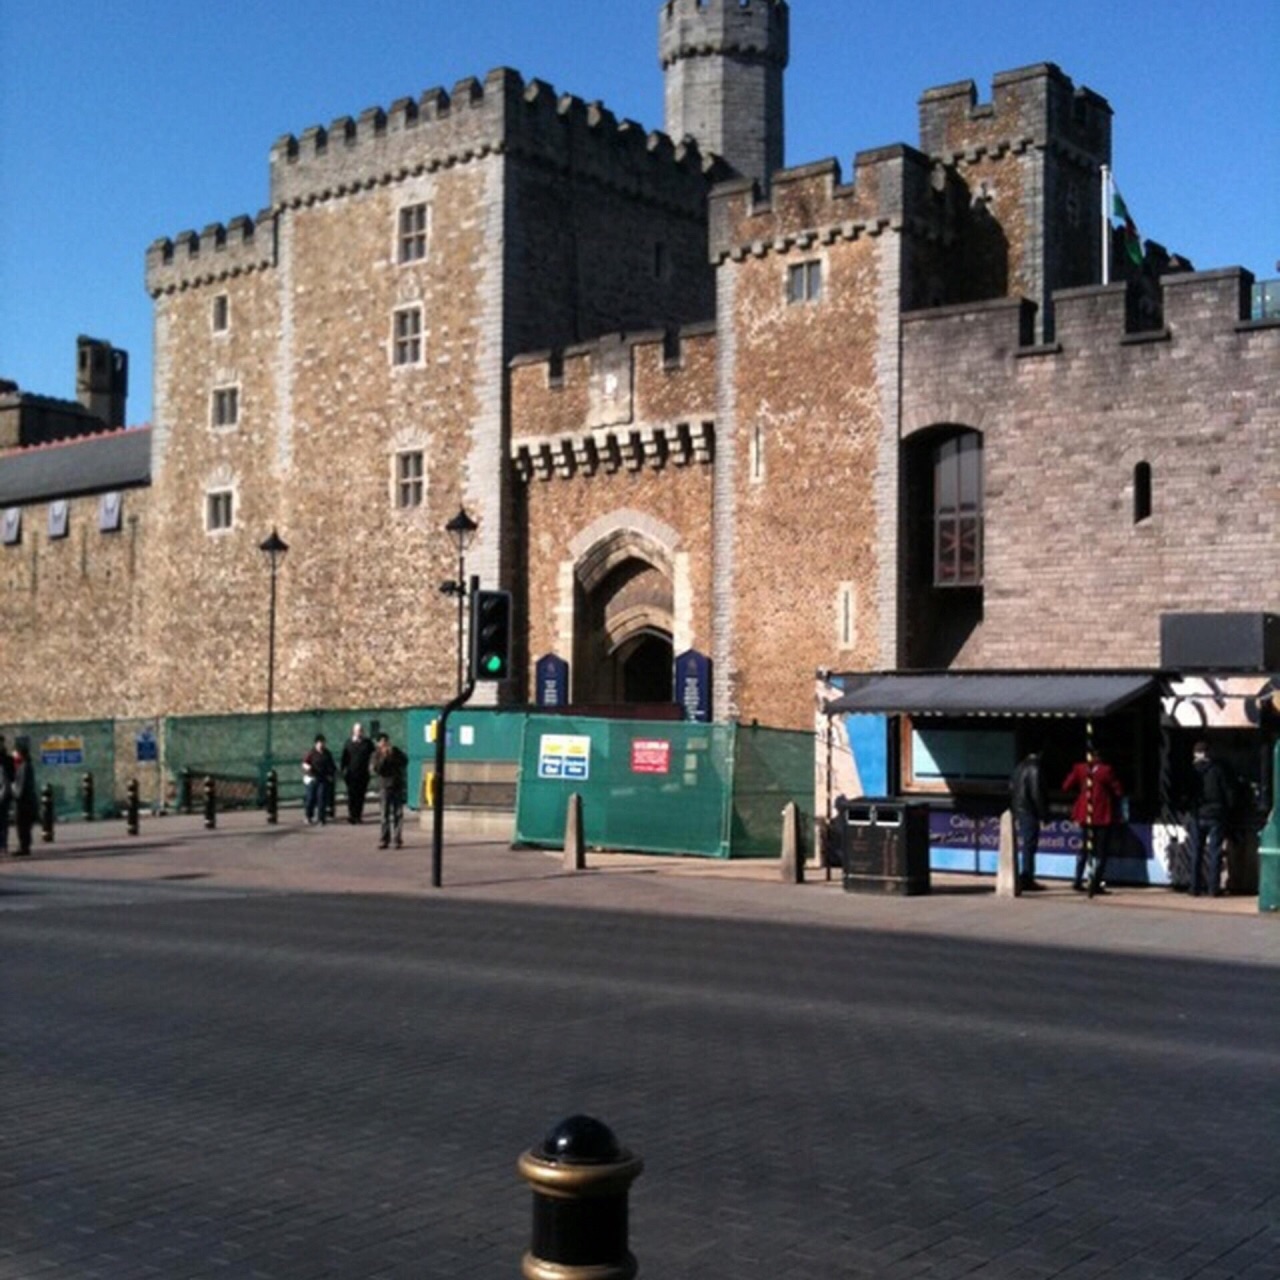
{"x": 885, "y": 846}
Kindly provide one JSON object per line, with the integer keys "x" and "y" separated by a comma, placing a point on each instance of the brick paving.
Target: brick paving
{"x": 278, "y": 1053}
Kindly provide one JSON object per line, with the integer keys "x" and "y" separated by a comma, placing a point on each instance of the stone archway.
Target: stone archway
{"x": 623, "y": 612}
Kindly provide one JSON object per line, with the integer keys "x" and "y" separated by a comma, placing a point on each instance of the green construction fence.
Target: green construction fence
{"x": 63, "y": 751}
{"x": 711, "y": 790}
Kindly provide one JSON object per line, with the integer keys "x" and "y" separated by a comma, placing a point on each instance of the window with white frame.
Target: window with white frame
{"x": 804, "y": 281}
{"x": 219, "y": 510}
{"x": 410, "y": 478}
{"x": 411, "y": 233}
{"x": 846, "y": 616}
{"x": 406, "y": 336}
{"x": 756, "y": 468}
{"x": 221, "y": 318}
{"x": 224, "y": 407}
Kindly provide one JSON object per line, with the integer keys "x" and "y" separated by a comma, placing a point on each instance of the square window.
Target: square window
{"x": 59, "y": 513}
{"x": 406, "y": 346}
{"x": 219, "y": 509}
{"x": 221, "y": 313}
{"x": 410, "y": 474}
{"x": 226, "y": 406}
{"x": 411, "y": 237}
{"x": 804, "y": 281}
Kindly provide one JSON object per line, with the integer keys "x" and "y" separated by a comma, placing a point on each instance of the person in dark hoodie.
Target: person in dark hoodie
{"x": 1027, "y": 800}
{"x": 1211, "y": 803}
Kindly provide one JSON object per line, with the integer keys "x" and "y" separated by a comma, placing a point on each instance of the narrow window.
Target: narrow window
{"x": 757, "y": 453}
{"x": 225, "y": 409}
{"x": 659, "y": 261}
{"x": 59, "y": 511}
{"x": 410, "y": 472}
{"x": 1141, "y": 492}
{"x": 411, "y": 241}
{"x": 804, "y": 282}
{"x": 218, "y": 510}
{"x": 846, "y": 616}
{"x": 957, "y": 512}
{"x": 221, "y": 313}
{"x": 406, "y": 345}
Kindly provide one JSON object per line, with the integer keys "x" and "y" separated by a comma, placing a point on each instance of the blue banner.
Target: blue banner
{"x": 693, "y": 685}
{"x": 551, "y": 680}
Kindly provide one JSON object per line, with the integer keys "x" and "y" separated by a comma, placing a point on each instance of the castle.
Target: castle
{"x": 696, "y": 400}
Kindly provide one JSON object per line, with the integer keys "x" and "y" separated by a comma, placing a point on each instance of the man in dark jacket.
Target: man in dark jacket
{"x": 6, "y": 793}
{"x": 319, "y": 768}
{"x": 392, "y": 767}
{"x": 25, "y": 804}
{"x": 1027, "y": 800}
{"x": 357, "y": 755}
{"x": 1211, "y": 804}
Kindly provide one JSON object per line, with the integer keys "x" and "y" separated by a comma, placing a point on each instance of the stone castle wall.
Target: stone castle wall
{"x": 1072, "y": 579}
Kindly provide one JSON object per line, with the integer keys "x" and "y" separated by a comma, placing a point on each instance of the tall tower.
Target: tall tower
{"x": 102, "y": 379}
{"x": 723, "y": 61}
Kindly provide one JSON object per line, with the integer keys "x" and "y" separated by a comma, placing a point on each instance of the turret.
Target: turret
{"x": 102, "y": 379}
{"x": 723, "y": 62}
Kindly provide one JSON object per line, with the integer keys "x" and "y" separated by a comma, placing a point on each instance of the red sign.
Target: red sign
{"x": 650, "y": 755}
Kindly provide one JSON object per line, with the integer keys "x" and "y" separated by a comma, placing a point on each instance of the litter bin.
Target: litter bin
{"x": 885, "y": 846}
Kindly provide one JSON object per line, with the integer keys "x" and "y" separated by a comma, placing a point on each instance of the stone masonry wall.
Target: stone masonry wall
{"x": 1072, "y": 580}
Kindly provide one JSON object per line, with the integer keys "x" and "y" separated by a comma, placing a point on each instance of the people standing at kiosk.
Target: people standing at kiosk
{"x": 1096, "y": 789}
{"x": 1027, "y": 800}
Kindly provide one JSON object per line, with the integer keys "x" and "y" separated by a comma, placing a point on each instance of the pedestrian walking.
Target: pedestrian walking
{"x": 319, "y": 772}
{"x": 1212, "y": 801}
{"x": 1027, "y": 800}
{"x": 25, "y": 804}
{"x": 1097, "y": 788}
{"x": 357, "y": 757}
{"x": 392, "y": 768}
{"x": 6, "y": 793}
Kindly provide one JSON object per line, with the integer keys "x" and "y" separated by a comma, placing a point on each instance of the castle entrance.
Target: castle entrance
{"x": 623, "y": 634}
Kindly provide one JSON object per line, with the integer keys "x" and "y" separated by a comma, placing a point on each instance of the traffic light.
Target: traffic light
{"x": 491, "y": 635}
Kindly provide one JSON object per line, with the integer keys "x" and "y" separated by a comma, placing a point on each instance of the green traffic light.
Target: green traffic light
{"x": 492, "y": 663}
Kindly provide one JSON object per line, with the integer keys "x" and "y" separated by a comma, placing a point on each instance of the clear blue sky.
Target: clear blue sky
{"x": 128, "y": 121}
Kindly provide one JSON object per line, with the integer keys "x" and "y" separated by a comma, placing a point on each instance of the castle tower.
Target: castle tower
{"x": 723, "y": 62}
{"x": 102, "y": 379}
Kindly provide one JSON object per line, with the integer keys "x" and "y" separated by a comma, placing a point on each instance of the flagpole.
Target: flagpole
{"x": 1106, "y": 224}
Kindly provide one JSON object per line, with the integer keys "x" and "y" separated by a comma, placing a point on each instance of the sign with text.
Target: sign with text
{"x": 145, "y": 747}
{"x": 650, "y": 755}
{"x": 55, "y": 751}
{"x": 693, "y": 685}
{"x": 564, "y": 755}
{"x": 551, "y": 680}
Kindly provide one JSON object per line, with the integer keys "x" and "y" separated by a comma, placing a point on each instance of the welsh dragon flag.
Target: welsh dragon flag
{"x": 1121, "y": 217}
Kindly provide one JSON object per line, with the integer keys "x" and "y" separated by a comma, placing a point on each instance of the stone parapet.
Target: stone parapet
{"x": 218, "y": 252}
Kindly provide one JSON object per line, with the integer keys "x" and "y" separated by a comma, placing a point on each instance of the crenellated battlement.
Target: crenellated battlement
{"x": 737, "y": 28}
{"x": 812, "y": 205}
{"x": 624, "y": 401}
{"x": 218, "y": 252}
{"x": 1036, "y": 106}
{"x": 502, "y": 114}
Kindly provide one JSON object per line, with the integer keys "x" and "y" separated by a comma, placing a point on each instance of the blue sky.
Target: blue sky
{"x": 121, "y": 123}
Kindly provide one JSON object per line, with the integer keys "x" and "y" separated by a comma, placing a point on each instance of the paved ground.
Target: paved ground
{"x": 279, "y": 1053}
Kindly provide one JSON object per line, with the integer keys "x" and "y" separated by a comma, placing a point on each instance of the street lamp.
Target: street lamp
{"x": 461, "y": 529}
{"x": 274, "y": 548}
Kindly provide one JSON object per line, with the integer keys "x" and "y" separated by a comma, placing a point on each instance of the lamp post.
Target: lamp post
{"x": 461, "y": 529}
{"x": 274, "y": 548}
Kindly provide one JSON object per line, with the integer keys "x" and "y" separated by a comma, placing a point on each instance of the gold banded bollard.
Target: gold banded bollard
{"x": 210, "y": 804}
{"x": 580, "y": 1178}
{"x": 86, "y": 796}
{"x": 46, "y": 813}
{"x": 273, "y": 797}
{"x": 131, "y": 807}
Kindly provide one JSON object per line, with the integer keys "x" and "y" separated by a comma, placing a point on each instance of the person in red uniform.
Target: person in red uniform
{"x": 1097, "y": 789}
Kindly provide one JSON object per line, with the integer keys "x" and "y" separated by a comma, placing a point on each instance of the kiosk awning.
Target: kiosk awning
{"x": 1023, "y": 694}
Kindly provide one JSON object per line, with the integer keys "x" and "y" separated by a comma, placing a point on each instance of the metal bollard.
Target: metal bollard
{"x": 580, "y": 1178}
{"x": 131, "y": 807}
{"x": 46, "y": 813}
{"x": 86, "y": 796}
{"x": 210, "y": 804}
{"x": 272, "y": 797}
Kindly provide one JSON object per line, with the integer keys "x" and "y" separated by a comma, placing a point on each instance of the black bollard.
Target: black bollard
{"x": 131, "y": 807}
{"x": 46, "y": 813}
{"x": 580, "y": 1178}
{"x": 86, "y": 796}
{"x": 273, "y": 797}
{"x": 210, "y": 804}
